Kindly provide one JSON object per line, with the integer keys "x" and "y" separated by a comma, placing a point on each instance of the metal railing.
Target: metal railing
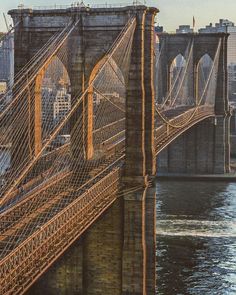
{"x": 165, "y": 134}
{"x": 32, "y": 257}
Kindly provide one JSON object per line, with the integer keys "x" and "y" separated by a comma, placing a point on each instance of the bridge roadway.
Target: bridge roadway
{"x": 23, "y": 212}
{"x": 55, "y": 221}
{"x": 179, "y": 122}
{"x": 103, "y": 137}
{"x": 72, "y": 211}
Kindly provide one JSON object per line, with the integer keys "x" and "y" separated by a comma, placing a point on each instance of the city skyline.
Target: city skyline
{"x": 204, "y": 12}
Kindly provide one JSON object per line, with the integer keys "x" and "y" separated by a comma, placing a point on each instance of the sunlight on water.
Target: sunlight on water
{"x": 196, "y": 238}
{"x": 196, "y": 228}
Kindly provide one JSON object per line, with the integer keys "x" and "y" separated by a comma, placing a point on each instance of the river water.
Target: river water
{"x": 196, "y": 238}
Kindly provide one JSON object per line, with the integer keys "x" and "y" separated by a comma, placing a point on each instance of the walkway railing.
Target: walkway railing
{"x": 165, "y": 133}
{"x": 31, "y": 258}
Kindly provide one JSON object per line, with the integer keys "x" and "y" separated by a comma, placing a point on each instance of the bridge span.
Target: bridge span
{"x": 98, "y": 186}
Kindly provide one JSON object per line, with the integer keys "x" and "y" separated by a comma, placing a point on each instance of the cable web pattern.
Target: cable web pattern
{"x": 79, "y": 157}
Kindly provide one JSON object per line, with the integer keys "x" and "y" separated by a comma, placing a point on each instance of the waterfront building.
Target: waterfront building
{"x": 61, "y": 105}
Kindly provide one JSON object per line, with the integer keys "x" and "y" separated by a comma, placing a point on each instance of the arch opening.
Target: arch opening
{"x": 52, "y": 103}
{"x": 105, "y": 106}
{"x": 176, "y": 72}
{"x": 158, "y": 46}
{"x": 204, "y": 71}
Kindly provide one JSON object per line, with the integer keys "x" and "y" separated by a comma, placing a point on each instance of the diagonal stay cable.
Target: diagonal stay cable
{"x": 129, "y": 27}
{"x": 167, "y": 121}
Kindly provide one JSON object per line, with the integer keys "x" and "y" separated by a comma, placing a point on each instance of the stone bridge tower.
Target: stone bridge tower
{"x": 116, "y": 255}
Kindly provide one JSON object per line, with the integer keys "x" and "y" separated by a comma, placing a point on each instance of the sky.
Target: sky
{"x": 172, "y": 12}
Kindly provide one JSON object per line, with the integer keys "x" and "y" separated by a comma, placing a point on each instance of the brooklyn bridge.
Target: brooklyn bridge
{"x": 89, "y": 175}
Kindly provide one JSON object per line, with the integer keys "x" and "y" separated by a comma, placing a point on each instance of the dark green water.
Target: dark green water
{"x": 196, "y": 238}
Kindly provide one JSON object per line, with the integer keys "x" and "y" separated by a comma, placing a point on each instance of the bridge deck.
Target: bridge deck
{"x": 179, "y": 123}
{"x": 41, "y": 226}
